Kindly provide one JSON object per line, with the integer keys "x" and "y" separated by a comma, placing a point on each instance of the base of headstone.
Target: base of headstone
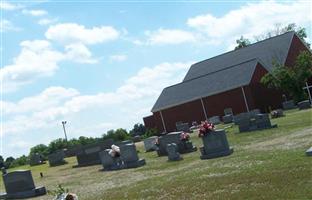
{"x": 122, "y": 165}
{"x": 135, "y": 164}
{"x": 175, "y": 159}
{"x": 304, "y": 105}
{"x": 39, "y": 191}
{"x": 87, "y": 164}
{"x": 309, "y": 152}
{"x": 58, "y": 164}
{"x": 215, "y": 154}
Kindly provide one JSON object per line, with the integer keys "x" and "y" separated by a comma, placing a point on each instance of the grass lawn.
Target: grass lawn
{"x": 268, "y": 164}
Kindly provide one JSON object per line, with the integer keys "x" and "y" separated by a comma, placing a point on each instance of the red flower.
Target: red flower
{"x": 185, "y": 136}
{"x": 205, "y": 128}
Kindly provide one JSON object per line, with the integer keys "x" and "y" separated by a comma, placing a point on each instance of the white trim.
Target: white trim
{"x": 203, "y": 106}
{"x": 246, "y": 103}
{"x": 163, "y": 122}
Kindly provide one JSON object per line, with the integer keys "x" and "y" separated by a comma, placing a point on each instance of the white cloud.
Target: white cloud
{"x": 7, "y": 25}
{"x": 36, "y": 59}
{"x": 118, "y": 58}
{"x": 46, "y": 21}
{"x": 252, "y": 19}
{"x": 79, "y": 53}
{"x": 68, "y": 33}
{"x": 169, "y": 36}
{"x": 4, "y": 5}
{"x": 35, "y": 13}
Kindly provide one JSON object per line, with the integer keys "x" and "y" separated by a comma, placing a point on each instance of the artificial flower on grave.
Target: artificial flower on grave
{"x": 184, "y": 136}
{"x": 62, "y": 194}
{"x": 156, "y": 142}
{"x": 205, "y": 128}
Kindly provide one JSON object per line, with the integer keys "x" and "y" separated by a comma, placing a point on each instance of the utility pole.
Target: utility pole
{"x": 64, "y": 122}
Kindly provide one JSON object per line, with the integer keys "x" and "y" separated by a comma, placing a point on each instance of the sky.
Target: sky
{"x": 102, "y": 65}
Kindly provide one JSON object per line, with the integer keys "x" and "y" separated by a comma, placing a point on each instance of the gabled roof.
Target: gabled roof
{"x": 274, "y": 48}
{"x": 215, "y": 82}
{"x": 226, "y": 71}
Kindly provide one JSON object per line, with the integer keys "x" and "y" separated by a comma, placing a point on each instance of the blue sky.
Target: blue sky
{"x": 101, "y": 65}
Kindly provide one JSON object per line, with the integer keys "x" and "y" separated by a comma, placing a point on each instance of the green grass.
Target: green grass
{"x": 268, "y": 164}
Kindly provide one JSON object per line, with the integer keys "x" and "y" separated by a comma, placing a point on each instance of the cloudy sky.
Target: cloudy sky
{"x": 101, "y": 66}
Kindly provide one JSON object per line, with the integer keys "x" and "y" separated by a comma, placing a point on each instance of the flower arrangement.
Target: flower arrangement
{"x": 184, "y": 136}
{"x": 205, "y": 128}
{"x": 62, "y": 194}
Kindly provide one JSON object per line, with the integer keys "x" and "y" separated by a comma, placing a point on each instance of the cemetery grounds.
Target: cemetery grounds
{"x": 267, "y": 164}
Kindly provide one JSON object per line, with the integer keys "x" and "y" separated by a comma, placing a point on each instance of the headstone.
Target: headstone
{"x": 227, "y": 119}
{"x": 254, "y": 122}
{"x": 309, "y": 152}
{"x": 277, "y": 113}
{"x": 183, "y": 127}
{"x": 215, "y": 120}
{"x": 136, "y": 138}
{"x": 254, "y": 112}
{"x": 150, "y": 144}
{"x": 35, "y": 159}
{"x": 57, "y": 158}
{"x": 173, "y": 154}
{"x": 129, "y": 156}
{"x": 304, "y": 105}
{"x": 228, "y": 111}
{"x": 215, "y": 145}
{"x": 108, "y": 162}
{"x": 287, "y": 105}
{"x": 89, "y": 154}
{"x": 174, "y": 137}
{"x": 4, "y": 171}
{"x": 20, "y": 184}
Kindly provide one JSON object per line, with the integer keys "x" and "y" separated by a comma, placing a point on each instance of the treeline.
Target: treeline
{"x": 58, "y": 144}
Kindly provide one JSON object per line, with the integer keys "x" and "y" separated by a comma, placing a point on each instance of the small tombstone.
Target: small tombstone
{"x": 57, "y": 158}
{"x": 183, "y": 127}
{"x": 174, "y": 137}
{"x": 304, "y": 105}
{"x": 20, "y": 184}
{"x": 150, "y": 144}
{"x": 35, "y": 159}
{"x": 4, "y": 171}
{"x": 277, "y": 113}
{"x": 258, "y": 122}
{"x": 215, "y": 120}
{"x": 309, "y": 152}
{"x": 287, "y": 105}
{"x": 129, "y": 156}
{"x": 228, "y": 111}
{"x": 173, "y": 154}
{"x": 109, "y": 162}
{"x": 215, "y": 145}
{"x": 227, "y": 119}
{"x": 136, "y": 138}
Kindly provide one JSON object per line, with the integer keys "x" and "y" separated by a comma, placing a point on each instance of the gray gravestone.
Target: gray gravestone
{"x": 108, "y": 162}
{"x": 129, "y": 156}
{"x": 304, "y": 105}
{"x": 173, "y": 154}
{"x": 289, "y": 105}
{"x": 277, "y": 113}
{"x": 214, "y": 120}
{"x": 150, "y": 144}
{"x": 183, "y": 127}
{"x": 227, "y": 119}
{"x": 35, "y": 159}
{"x": 174, "y": 137}
{"x": 215, "y": 145}
{"x": 228, "y": 111}
{"x": 57, "y": 158}
{"x": 20, "y": 184}
{"x": 309, "y": 152}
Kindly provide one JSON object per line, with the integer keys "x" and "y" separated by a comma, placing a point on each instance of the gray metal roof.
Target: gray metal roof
{"x": 275, "y": 48}
{"x": 209, "y": 84}
{"x": 226, "y": 71}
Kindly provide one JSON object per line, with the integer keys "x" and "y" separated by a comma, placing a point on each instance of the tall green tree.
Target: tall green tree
{"x": 291, "y": 79}
{"x": 41, "y": 149}
{"x": 138, "y": 129}
{"x": 242, "y": 42}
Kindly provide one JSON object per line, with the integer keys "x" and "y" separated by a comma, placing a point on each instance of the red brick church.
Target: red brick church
{"x": 229, "y": 80}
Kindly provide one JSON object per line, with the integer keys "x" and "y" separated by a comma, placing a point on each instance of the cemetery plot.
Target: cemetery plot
{"x": 57, "y": 158}
{"x": 173, "y": 154}
{"x": 150, "y": 144}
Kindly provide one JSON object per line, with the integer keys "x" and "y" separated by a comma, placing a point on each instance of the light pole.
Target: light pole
{"x": 64, "y": 122}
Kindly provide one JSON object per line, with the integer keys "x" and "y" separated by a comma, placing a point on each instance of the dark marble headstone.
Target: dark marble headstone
{"x": 20, "y": 184}
{"x": 174, "y": 137}
{"x": 215, "y": 120}
{"x": 304, "y": 105}
{"x": 228, "y": 111}
{"x": 183, "y": 127}
{"x": 35, "y": 159}
{"x": 57, "y": 158}
{"x": 129, "y": 155}
{"x": 149, "y": 144}
{"x": 254, "y": 122}
{"x": 227, "y": 119}
{"x": 215, "y": 145}
{"x": 109, "y": 162}
{"x": 173, "y": 154}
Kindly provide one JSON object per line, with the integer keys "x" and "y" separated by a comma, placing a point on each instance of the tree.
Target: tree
{"x": 292, "y": 79}
{"x": 8, "y": 162}
{"x": 138, "y": 129}
{"x": 121, "y": 134}
{"x": 242, "y": 42}
{"x": 1, "y": 162}
{"x": 41, "y": 149}
{"x": 57, "y": 144}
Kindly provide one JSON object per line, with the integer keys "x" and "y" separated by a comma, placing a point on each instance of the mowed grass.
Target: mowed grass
{"x": 268, "y": 164}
